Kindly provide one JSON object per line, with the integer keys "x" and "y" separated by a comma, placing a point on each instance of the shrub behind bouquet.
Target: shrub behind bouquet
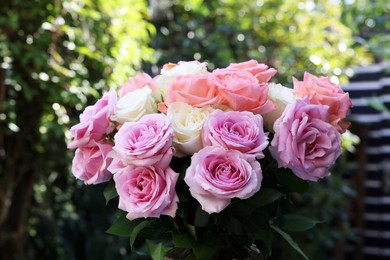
{"x": 203, "y": 164}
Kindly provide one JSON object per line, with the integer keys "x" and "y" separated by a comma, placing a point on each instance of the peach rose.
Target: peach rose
{"x": 241, "y": 91}
{"x": 320, "y": 90}
{"x": 170, "y": 71}
{"x": 259, "y": 70}
{"x": 197, "y": 90}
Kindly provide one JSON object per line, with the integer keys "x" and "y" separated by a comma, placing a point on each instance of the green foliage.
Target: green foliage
{"x": 289, "y": 240}
{"x": 261, "y": 198}
{"x": 56, "y": 58}
{"x": 232, "y": 233}
{"x": 291, "y": 182}
{"x": 157, "y": 250}
{"x": 375, "y": 103}
{"x": 370, "y": 24}
{"x": 110, "y": 191}
{"x": 295, "y": 223}
{"x": 121, "y": 226}
{"x": 308, "y": 36}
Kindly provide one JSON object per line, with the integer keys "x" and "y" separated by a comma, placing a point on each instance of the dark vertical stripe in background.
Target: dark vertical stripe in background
{"x": 374, "y": 82}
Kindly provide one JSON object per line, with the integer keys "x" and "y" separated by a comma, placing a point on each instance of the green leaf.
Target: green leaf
{"x": 183, "y": 240}
{"x": 261, "y": 234}
{"x": 264, "y": 196}
{"x": 296, "y": 223}
{"x": 293, "y": 183}
{"x": 289, "y": 240}
{"x": 191, "y": 229}
{"x": 233, "y": 225}
{"x": 110, "y": 191}
{"x": 264, "y": 247}
{"x": 201, "y": 217}
{"x": 157, "y": 251}
{"x": 135, "y": 231}
{"x": 377, "y": 104}
{"x": 122, "y": 226}
{"x": 205, "y": 252}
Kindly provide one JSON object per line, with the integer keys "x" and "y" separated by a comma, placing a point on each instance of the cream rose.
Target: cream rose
{"x": 134, "y": 105}
{"x": 184, "y": 68}
{"x": 281, "y": 96}
{"x": 187, "y": 122}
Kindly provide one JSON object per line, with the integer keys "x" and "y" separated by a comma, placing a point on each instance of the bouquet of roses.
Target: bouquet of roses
{"x": 203, "y": 163}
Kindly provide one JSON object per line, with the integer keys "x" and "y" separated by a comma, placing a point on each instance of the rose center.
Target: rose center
{"x": 225, "y": 172}
{"x": 146, "y": 134}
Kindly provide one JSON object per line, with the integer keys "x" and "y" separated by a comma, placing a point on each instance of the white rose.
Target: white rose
{"x": 160, "y": 90}
{"x": 184, "y": 68}
{"x": 187, "y": 122}
{"x": 169, "y": 73}
{"x": 281, "y": 96}
{"x": 134, "y": 105}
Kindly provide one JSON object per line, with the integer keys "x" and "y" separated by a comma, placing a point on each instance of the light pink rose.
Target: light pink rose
{"x": 146, "y": 142}
{"x": 197, "y": 90}
{"x": 147, "y": 191}
{"x": 304, "y": 141}
{"x": 94, "y": 122}
{"x": 260, "y": 71}
{"x": 216, "y": 175}
{"x": 233, "y": 130}
{"x": 134, "y": 83}
{"x": 241, "y": 91}
{"x": 90, "y": 163}
{"x": 322, "y": 91}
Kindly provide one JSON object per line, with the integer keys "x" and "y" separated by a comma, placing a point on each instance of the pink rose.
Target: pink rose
{"x": 304, "y": 141}
{"x": 241, "y": 131}
{"x": 197, "y": 90}
{"x": 134, "y": 83}
{"x": 216, "y": 175}
{"x": 90, "y": 163}
{"x": 94, "y": 122}
{"x": 322, "y": 91}
{"x": 146, "y": 142}
{"x": 260, "y": 71}
{"x": 241, "y": 91}
{"x": 147, "y": 191}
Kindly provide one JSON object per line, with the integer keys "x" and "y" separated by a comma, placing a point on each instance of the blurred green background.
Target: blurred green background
{"x": 58, "y": 56}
